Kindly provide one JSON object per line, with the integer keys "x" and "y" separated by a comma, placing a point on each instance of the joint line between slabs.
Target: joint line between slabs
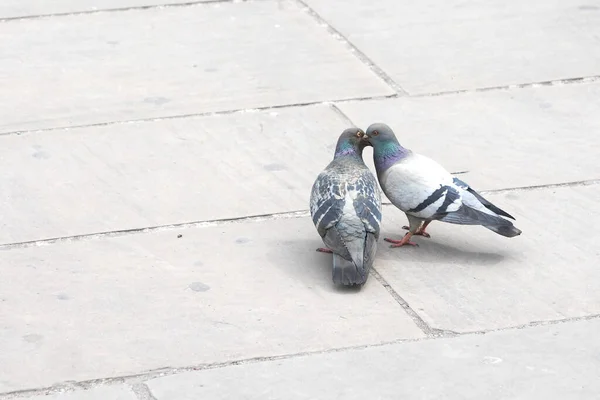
{"x": 157, "y": 228}
{"x": 424, "y": 326}
{"x": 342, "y": 114}
{"x": 234, "y": 220}
{"x": 380, "y": 73}
{"x": 555, "y": 82}
{"x": 199, "y": 115}
{"x": 112, "y": 10}
{"x": 587, "y": 182}
{"x": 135, "y": 379}
{"x": 293, "y": 105}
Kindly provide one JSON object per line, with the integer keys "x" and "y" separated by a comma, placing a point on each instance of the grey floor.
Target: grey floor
{"x": 156, "y": 161}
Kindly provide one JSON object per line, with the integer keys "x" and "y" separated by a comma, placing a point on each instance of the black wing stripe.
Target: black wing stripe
{"x": 324, "y": 207}
{"x": 451, "y": 196}
{"x": 367, "y": 210}
{"x": 332, "y": 215}
{"x": 433, "y": 197}
{"x": 459, "y": 183}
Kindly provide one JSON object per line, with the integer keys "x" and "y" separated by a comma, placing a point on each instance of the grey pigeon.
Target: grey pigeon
{"x": 345, "y": 205}
{"x": 426, "y": 192}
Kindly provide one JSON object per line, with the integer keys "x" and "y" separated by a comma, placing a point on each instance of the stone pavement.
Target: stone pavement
{"x": 157, "y": 158}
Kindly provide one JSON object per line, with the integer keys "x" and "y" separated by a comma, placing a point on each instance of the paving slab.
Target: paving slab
{"x": 29, "y": 8}
{"x": 505, "y": 139}
{"x": 502, "y": 138}
{"x": 470, "y": 279}
{"x": 164, "y": 172}
{"x": 549, "y": 362}
{"x": 138, "y": 64}
{"x": 120, "y": 392}
{"x": 117, "y": 306}
{"x": 432, "y": 46}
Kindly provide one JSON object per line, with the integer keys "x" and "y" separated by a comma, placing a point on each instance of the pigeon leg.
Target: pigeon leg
{"x": 421, "y": 230}
{"x": 415, "y": 225}
{"x": 324, "y": 250}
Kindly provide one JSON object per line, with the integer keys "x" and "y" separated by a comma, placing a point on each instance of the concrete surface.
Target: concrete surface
{"x": 467, "y": 278}
{"x": 121, "y": 392}
{"x": 36, "y": 8}
{"x": 216, "y": 294}
{"x": 135, "y": 64}
{"x": 504, "y": 131}
{"x": 103, "y": 184}
{"x": 435, "y": 46}
{"x": 521, "y": 364}
{"x": 130, "y": 138}
{"x": 503, "y": 139}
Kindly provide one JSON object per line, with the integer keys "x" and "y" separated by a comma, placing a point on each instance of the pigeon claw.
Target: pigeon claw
{"x": 324, "y": 250}
{"x": 399, "y": 243}
{"x": 420, "y": 232}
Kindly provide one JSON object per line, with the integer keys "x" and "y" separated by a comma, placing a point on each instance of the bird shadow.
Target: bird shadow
{"x": 299, "y": 258}
{"x": 302, "y": 260}
{"x": 440, "y": 249}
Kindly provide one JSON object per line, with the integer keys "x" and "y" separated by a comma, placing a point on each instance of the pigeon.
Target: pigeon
{"x": 345, "y": 206}
{"x": 425, "y": 191}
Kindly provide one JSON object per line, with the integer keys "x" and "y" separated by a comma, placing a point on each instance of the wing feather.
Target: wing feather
{"x": 472, "y": 197}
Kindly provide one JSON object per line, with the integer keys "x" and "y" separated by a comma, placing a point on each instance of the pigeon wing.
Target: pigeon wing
{"x": 471, "y": 197}
{"x": 367, "y": 202}
{"x": 327, "y": 201}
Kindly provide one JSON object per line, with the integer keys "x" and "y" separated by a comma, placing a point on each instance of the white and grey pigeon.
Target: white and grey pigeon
{"x": 426, "y": 192}
{"x": 345, "y": 205}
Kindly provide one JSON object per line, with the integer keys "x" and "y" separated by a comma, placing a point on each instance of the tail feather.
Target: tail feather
{"x": 355, "y": 271}
{"x": 346, "y": 272}
{"x": 505, "y": 230}
{"x": 369, "y": 253}
{"x": 470, "y": 216}
{"x": 352, "y": 256}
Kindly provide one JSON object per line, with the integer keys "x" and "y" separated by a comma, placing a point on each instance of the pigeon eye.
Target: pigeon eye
{"x": 375, "y": 133}
{"x": 359, "y": 134}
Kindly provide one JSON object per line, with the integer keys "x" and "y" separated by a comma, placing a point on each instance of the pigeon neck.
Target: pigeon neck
{"x": 387, "y": 155}
{"x": 347, "y": 149}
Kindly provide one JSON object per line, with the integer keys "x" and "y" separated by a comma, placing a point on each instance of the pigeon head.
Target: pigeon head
{"x": 386, "y": 149}
{"x": 379, "y": 133}
{"x": 351, "y": 142}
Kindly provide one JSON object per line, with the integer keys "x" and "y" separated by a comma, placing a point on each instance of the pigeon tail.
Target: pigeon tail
{"x": 348, "y": 257}
{"x": 470, "y": 216}
{"x": 505, "y": 230}
{"x": 346, "y": 272}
